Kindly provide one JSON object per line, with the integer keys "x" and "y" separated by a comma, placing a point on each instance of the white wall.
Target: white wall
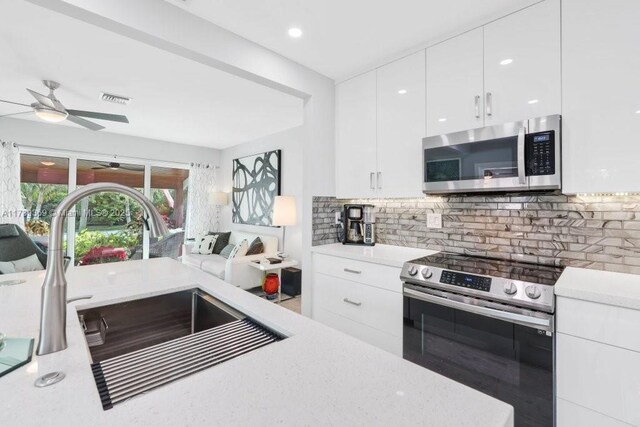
{"x": 290, "y": 142}
{"x": 51, "y": 136}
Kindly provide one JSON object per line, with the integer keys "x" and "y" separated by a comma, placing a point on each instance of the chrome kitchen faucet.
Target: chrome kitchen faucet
{"x": 53, "y": 311}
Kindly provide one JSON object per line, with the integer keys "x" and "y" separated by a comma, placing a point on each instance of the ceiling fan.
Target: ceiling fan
{"x": 117, "y": 166}
{"x": 50, "y": 109}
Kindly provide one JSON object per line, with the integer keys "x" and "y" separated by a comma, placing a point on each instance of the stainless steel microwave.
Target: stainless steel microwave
{"x": 518, "y": 156}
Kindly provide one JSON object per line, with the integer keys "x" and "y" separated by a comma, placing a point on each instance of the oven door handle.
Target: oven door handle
{"x": 521, "y": 319}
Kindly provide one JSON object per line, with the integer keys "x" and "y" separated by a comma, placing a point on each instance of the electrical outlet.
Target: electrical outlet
{"x": 434, "y": 220}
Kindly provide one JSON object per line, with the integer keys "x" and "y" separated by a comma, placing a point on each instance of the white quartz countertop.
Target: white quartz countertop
{"x": 605, "y": 287}
{"x": 394, "y": 256}
{"x": 317, "y": 376}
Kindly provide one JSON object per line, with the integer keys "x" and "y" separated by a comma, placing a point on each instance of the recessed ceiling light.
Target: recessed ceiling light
{"x": 638, "y": 112}
{"x": 47, "y": 163}
{"x": 295, "y": 32}
{"x": 533, "y": 101}
{"x": 444, "y": 119}
{"x": 506, "y": 61}
{"x": 402, "y": 91}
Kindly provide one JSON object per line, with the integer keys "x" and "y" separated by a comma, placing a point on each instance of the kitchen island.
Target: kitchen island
{"x": 317, "y": 376}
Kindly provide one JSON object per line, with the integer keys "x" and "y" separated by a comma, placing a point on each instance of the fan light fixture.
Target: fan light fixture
{"x": 49, "y": 115}
{"x": 47, "y": 163}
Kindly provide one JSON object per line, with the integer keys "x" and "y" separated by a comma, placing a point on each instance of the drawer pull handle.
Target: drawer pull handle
{"x": 348, "y": 270}
{"x": 348, "y": 301}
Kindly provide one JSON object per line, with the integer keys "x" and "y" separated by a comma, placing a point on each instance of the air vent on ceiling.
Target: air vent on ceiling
{"x": 115, "y": 99}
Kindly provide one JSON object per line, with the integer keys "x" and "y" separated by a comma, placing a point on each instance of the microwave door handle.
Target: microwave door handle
{"x": 522, "y": 179}
{"x": 520, "y": 319}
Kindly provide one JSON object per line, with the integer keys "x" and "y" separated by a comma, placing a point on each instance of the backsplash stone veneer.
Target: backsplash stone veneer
{"x": 599, "y": 232}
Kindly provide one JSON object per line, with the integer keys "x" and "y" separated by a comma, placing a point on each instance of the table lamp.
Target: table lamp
{"x": 284, "y": 213}
{"x": 218, "y": 199}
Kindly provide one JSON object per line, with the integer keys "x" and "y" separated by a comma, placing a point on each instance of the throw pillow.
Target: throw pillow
{"x": 30, "y": 263}
{"x": 256, "y": 247}
{"x": 204, "y": 245}
{"x": 227, "y": 251}
{"x": 231, "y": 251}
{"x": 222, "y": 242}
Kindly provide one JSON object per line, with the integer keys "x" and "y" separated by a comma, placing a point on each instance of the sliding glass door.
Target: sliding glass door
{"x": 105, "y": 227}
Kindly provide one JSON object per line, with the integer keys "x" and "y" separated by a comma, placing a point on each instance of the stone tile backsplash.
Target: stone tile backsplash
{"x": 599, "y": 232}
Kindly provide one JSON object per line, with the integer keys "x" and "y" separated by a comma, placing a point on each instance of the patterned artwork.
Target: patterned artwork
{"x": 256, "y": 183}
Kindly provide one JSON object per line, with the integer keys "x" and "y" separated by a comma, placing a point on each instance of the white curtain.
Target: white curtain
{"x": 11, "y": 210}
{"x": 202, "y": 217}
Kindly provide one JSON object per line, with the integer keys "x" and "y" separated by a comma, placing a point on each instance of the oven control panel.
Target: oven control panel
{"x": 540, "y": 154}
{"x": 466, "y": 280}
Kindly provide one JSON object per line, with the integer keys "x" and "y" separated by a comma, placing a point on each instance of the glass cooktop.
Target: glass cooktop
{"x": 534, "y": 273}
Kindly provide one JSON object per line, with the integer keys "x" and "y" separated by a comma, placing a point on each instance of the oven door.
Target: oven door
{"x": 506, "y": 354}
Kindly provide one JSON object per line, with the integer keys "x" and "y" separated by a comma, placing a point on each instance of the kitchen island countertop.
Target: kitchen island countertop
{"x": 317, "y": 376}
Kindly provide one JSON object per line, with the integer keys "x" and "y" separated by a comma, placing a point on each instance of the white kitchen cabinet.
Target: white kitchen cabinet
{"x": 455, "y": 84}
{"x": 508, "y": 70}
{"x": 601, "y": 95}
{"x": 401, "y": 126}
{"x": 359, "y": 298}
{"x": 522, "y": 64}
{"x": 356, "y": 137}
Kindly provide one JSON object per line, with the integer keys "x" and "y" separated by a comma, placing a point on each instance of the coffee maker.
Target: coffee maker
{"x": 357, "y": 225}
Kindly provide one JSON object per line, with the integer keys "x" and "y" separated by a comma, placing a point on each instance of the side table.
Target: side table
{"x": 277, "y": 268}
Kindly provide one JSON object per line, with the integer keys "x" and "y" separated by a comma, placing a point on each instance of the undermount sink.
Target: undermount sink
{"x": 142, "y": 344}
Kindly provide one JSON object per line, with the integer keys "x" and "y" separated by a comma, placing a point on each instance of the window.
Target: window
{"x": 44, "y": 182}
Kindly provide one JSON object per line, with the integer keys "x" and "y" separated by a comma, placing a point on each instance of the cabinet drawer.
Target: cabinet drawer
{"x": 608, "y": 324}
{"x": 381, "y": 276}
{"x": 377, "y": 338}
{"x": 571, "y": 415}
{"x": 600, "y": 377}
{"x": 377, "y": 308}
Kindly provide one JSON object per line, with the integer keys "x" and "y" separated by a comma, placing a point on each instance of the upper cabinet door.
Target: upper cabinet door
{"x": 401, "y": 122}
{"x": 600, "y": 95}
{"x": 455, "y": 99}
{"x": 356, "y": 137}
{"x": 522, "y": 64}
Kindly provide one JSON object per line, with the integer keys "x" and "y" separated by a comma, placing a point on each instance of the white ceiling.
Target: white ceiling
{"x": 174, "y": 99}
{"x": 342, "y": 37}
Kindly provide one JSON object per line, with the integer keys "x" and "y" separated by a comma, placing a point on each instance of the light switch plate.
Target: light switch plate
{"x": 434, "y": 220}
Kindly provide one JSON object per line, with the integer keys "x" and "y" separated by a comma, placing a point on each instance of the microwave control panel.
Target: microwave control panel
{"x": 540, "y": 153}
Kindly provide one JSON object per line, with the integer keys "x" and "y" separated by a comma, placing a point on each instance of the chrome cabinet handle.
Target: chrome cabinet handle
{"x": 348, "y": 270}
{"x": 348, "y": 301}
{"x": 379, "y": 180}
{"x": 489, "y": 101}
{"x": 522, "y": 179}
{"x": 371, "y": 176}
{"x": 477, "y": 106}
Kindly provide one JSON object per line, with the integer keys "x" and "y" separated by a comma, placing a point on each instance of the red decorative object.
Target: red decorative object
{"x": 271, "y": 284}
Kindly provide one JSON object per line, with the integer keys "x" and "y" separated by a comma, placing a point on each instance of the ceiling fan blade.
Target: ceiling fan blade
{"x": 43, "y": 100}
{"x": 15, "y": 103}
{"x": 84, "y": 123}
{"x": 133, "y": 169}
{"x": 15, "y": 114}
{"x": 101, "y": 116}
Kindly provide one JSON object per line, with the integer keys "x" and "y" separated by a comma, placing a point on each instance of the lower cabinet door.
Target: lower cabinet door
{"x": 382, "y": 340}
{"x": 571, "y": 415}
{"x": 377, "y": 308}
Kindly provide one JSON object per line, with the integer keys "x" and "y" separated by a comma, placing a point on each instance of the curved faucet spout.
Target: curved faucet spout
{"x": 53, "y": 309}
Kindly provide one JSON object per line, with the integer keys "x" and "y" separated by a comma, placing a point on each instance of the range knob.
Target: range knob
{"x": 426, "y": 273}
{"x": 413, "y": 270}
{"x": 532, "y": 292}
{"x": 510, "y": 288}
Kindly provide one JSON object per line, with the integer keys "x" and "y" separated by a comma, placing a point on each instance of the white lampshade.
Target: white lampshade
{"x": 218, "y": 198}
{"x": 284, "y": 211}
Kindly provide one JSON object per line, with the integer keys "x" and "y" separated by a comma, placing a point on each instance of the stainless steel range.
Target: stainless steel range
{"x": 486, "y": 323}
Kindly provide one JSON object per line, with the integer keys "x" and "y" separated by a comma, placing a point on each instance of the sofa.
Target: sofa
{"x": 236, "y": 271}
